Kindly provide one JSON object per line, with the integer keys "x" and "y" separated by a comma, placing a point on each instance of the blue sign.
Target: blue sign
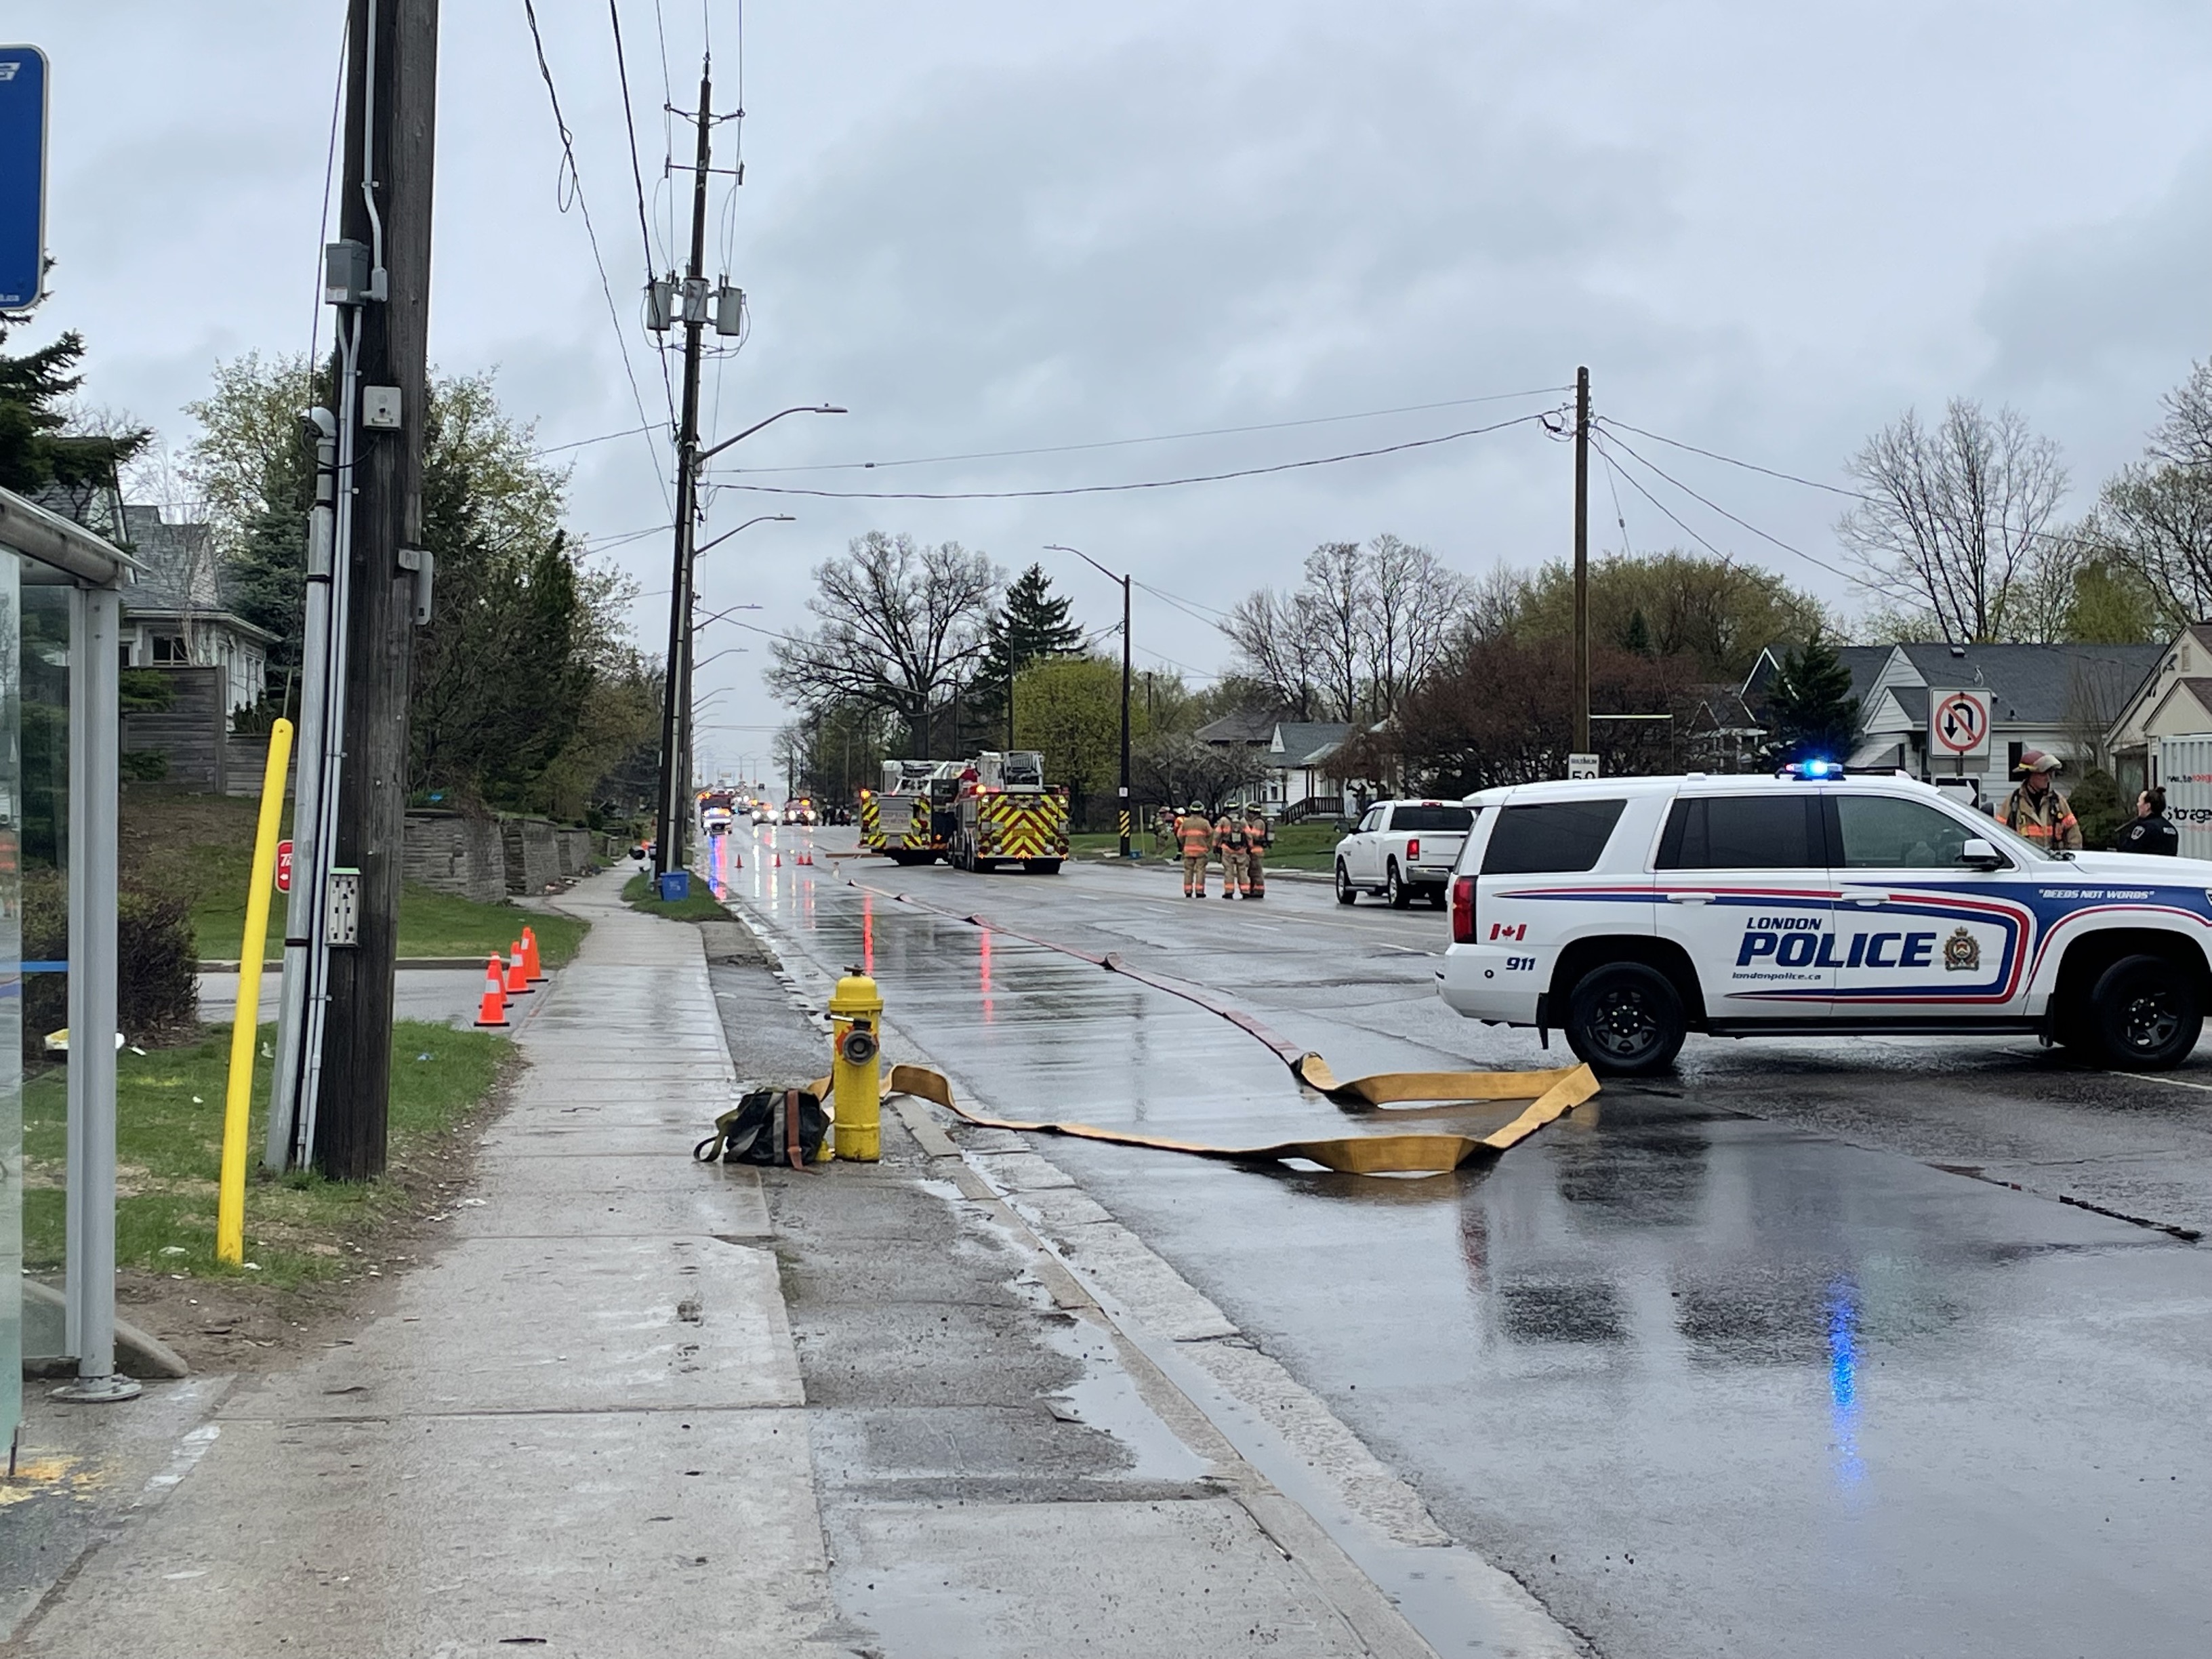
{"x": 23, "y": 177}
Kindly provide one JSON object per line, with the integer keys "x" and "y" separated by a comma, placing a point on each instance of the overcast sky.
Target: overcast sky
{"x": 1767, "y": 229}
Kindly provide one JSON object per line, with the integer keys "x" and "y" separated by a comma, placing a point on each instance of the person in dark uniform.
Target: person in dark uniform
{"x": 2150, "y": 830}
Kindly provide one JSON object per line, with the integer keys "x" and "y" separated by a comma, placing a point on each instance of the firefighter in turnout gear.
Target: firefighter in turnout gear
{"x": 2037, "y": 810}
{"x": 1196, "y": 834}
{"x": 1255, "y": 848}
{"x": 1229, "y": 838}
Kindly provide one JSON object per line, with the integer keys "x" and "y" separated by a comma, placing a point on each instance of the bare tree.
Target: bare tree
{"x": 899, "y": 621}
{"x": 2185, "y": 437}
{"x": 1956, "y": 516}
{"x": 1337, "y": 603}
{"x": 2153, "y": 520}
{"x": 1494, "y": 602}
{"x": 1274, "y": 649}
{"x": 1416, "y": 611}
{"x": 1365, "y": 626}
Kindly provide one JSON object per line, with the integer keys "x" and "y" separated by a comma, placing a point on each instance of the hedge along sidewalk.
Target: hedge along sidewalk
{"x": 168, "y": 1108}
{"x": 638, "y": 893}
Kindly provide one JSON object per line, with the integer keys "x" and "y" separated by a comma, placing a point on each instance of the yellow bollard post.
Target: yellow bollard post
{"x": 245, "y": 1031}
{"x": 856, "y": 1067}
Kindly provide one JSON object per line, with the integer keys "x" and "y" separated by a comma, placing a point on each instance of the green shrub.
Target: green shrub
{"x": 2096, "y": 803}
{"x": 147, "y": 690}
{"x": 144, "y": 765}
{"x": 156, "y": 994}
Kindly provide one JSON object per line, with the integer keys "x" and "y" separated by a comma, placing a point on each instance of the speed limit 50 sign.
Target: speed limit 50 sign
{"x": 1958, "y": 724}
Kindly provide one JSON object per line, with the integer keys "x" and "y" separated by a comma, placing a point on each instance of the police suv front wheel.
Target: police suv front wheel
{"x": 1345, "y": 893}
{"x": 1625, "y": 1020}
{"x": 2146, "y": 1011}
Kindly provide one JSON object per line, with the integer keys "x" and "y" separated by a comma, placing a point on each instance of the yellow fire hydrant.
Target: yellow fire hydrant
{"x": 856, "y": 1066}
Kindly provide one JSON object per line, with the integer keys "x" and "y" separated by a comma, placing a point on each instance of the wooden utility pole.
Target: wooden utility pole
{"x": 391, "y": 98}
{"x": 1582, "y": 563}
{"x": 676, "y": 706}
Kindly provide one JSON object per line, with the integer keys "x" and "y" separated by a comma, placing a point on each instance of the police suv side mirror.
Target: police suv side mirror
{"x": 1979, "y": 854}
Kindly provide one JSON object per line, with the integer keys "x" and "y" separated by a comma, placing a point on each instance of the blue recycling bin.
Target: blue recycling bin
{"x": 675, "y": 886}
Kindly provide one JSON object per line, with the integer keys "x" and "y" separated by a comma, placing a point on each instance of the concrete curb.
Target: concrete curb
{"x": 138, "y": 1353}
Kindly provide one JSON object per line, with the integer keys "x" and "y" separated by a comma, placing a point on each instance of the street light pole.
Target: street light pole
{"x": 1123, "y": 804}
{"x": 689, "y": 460}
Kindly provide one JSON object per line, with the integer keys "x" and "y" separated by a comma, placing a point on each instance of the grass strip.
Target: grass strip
{"x": 638, "y": 893}
{"x": 431, "y": 923}
{"x": 168, "y": 1108}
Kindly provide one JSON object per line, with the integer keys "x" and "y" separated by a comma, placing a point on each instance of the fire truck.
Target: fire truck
{"x": 909, "y": 820}
{"x": 1005, "y": 813}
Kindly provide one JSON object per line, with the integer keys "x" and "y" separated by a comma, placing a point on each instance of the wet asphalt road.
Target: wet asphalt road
{"x": 1738, "y": 1363}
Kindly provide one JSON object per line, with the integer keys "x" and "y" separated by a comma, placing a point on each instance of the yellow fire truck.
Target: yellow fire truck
{"x": 910, "y": 819}
{"x": 1006, "y": 814}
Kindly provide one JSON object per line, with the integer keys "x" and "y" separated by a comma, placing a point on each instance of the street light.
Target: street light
{"x": 1122, "y": 820}
{"x": 666, "y": 854}
{"x": 765, "y": 518}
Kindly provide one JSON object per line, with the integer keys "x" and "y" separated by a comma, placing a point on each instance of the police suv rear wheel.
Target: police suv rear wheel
{"x": 1625, "y": 1020}
{"x": 1345, "y": 892}
{"x": 2146, "y": 1011}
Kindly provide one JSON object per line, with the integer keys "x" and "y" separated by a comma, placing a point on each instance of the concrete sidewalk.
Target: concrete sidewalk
{"x": 578, "y": 1430}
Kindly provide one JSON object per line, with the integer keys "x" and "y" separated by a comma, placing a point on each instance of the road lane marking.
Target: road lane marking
{"x": 2171, "y": 1082}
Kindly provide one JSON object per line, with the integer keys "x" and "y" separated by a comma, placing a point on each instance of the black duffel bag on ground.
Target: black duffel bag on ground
{"x": 769, "y": 1125}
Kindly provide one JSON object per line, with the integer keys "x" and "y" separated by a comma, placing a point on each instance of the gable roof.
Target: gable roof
{"x": 2040, "y": 684}
{"x": 1307, "y": 743}
{"x": 1240, "y": 725}
{"x": 1862, "y": 662}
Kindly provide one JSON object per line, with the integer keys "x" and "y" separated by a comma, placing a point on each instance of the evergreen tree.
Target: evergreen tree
{"x": 1815, "y": 714}
{"x": 1638, "y": 636}
{"x": 1031, "y": 626}
{"x": 33, "y": 451}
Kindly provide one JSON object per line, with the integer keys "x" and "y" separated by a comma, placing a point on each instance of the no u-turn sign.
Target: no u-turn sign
{"x": 1958, "y": 724}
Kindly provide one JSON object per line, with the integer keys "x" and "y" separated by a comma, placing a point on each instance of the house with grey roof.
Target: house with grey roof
{"x": 2062, "y": 699}
{"x": 1294, "y": 753}
{"x": 175, "y": 614}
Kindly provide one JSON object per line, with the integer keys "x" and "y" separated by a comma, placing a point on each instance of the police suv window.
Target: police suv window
{"x": 1881, "y": 832}
{"x": 1437, "y": 820}
{"x": 1371, "y": 823}
{"x": 1550, "y": 837}
{"x": 1772, "y": 831}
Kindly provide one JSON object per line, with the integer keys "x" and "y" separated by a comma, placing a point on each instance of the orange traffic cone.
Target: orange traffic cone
{"x": 518, "y": 976}
{"x": 491, "y": 1013}
{"x": 530, "y": 956}
{"x": 779, "y": 862}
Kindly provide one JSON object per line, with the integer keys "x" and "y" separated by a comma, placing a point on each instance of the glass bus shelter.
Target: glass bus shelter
{"x": 60, "y": 732}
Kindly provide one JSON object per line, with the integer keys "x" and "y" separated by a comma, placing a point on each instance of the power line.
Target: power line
{"x": 1833, "y": 570}
{"x": 330, "y": 171}
{"x": 1146, "y": 483}
{"x": 637, "y": 179}
{"x": 1158, "y": 438}
{"x": 569, "y": 167}
{"x": 1730, "y": 460}
{"x": 604, "y": 437}
{"x": 1214, "y": 621}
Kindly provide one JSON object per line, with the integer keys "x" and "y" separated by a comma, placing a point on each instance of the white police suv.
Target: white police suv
{"x": 1627, "y": 912}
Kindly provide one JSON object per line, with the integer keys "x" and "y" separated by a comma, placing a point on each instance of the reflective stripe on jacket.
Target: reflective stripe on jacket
{"x": 2048, "y": 823}
{"x": 1195, "y": 834}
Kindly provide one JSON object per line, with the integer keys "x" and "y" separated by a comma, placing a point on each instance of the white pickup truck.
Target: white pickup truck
{"x": 1402, "y": 848}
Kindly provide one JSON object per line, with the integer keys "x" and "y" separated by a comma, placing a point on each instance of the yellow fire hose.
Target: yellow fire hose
{"x": 1550, "y": 1094}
